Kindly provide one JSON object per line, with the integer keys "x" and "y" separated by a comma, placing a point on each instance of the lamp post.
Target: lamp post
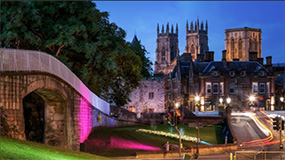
{"x": 179, "y": 133}
{"x": 197, "y": 99}
{"x": 251, "y": 99}
{"x": 221, "y": 107}
{"x": 228, "y": 109}
{"x": 282, "y": 104}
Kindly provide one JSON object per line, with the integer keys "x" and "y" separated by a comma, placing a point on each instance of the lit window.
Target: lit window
{"x": 232, "y": 88}
{"x": 243, "y": 73}
{"x": 222, "y": 88}
{"x": 215, "y": 88}
{"x": 208, "y": 87}
{"x": 254, "y": 87}
{"x": 268, "y": 87}
{"x": 262, "y": 88}
{"x": 232, "y": 73}
{"x": 150, "y": 95}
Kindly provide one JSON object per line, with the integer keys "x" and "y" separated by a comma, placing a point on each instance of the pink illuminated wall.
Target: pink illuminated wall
{"x": 85, "y": 120}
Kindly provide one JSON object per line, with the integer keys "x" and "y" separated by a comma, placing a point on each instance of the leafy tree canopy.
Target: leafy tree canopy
{"x": 80, "y": 36}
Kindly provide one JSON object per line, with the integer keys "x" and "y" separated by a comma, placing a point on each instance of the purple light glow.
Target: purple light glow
{"x": 116, "y": 142}
{"x": 85, "y": 120}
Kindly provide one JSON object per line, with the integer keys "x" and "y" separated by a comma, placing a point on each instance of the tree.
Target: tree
{"x": 140, "y": 50}
{"x": 81, "y": 37}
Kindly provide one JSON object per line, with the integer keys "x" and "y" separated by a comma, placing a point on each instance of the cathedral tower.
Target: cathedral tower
{"x": 166, "y": 49}
{"x": 196, "y": 39}
{"x": 240, "y": 41}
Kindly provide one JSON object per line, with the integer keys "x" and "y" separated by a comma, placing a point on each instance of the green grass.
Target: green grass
{"x": 211, "y": 134}
{"x": 17, "y": 149}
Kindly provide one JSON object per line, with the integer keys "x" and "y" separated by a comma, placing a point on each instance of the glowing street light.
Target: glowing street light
{"x": 176, "y": 104}
{"x": 228, "y": 100}
{"x": 281, "y": 98}
{"x": 197, "y": 98}
{"x": 221, "y": 100}
{"x": 251, "y": 98}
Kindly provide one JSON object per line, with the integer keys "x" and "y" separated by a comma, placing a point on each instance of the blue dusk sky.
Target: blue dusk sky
{"x": 141, "y": 18}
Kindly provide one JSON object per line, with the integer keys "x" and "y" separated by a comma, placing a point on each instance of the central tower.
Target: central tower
{"x": 196, "y": 39}
{"x": 166, "y": 50}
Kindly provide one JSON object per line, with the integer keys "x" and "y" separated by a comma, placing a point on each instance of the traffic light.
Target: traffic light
{"x": 178, "y": 119}
{"x": 276, "y": 123}
{"x": 170, "y": 118}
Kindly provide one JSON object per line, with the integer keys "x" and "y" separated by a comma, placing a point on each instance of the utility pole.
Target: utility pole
{"x": 179, "y": 140}
{"x": 197, "y": 130}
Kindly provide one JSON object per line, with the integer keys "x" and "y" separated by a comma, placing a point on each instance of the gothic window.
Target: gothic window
{"x": 250, "y": 45}
{"x": 232, "y": 73}
{"x": 243, "y": 73}
{"x": 196, "y": 88}
{"x": 268, "y": 87}
{"x": 221, "y": 87}
{"x": 255, "y": 45}
{"x": 163, "y": 54}
{"x": 172, "y": 53}
{"x": 232, "y": 47}
{"x": 192, "y": 49}
{"x": 240, "y": 48}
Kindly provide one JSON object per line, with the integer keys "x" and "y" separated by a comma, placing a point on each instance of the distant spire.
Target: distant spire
{"x": 157, "y": 29}
{"x": 167, "y": 28}
{"x": 187, "y": 27}
{"x": 191, "y": 27}
{"x": 176, "y": 28}
{"x": 198, "y": 23}
{"x": 195, "y": 26}
{"x": 206, "y": 26}
{"x": 172, "y": 28}
{"x": 135, "y": 39}
{"x": 202, "y": 26}
{"x": 162, "y": 30}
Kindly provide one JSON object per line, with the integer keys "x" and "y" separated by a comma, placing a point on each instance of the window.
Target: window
{"x": 208, "y": 87}
{"x": 261, "y": 73}
{"x": 215, "y": 73}
{"x": 232, "y": 73}
{"x": 150, "y": 95}
{"x": 215, "y": 88}
{"x": 254, "y": 87}
{"x": 232, "y": 88}
{"x": 243, "y": 73}
{"x": 268, "y": 87}
{"x": 261, "y": 88}
{"x": 222, "y": 88}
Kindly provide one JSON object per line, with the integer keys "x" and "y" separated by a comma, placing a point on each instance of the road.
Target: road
{"x": 254, "y": 133}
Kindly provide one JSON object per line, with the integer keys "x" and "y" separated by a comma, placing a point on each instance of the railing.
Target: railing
{"x": 255, "y": 155}
{"x": 30, "y": 61}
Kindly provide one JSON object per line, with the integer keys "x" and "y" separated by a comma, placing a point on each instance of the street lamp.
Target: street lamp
{"x": 228, "y": 100}
{"x": 176, "y": 104}
{"x": 282, "y": 100}
{"x": 197, "y": 98}
{"x": 221, "y": 100}
{"x": 251, "y": 99}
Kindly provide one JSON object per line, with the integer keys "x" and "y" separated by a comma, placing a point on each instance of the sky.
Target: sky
{"x": 140, "y": 18}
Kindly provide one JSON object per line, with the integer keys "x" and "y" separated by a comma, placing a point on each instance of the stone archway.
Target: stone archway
{"x": 57, "y": 131}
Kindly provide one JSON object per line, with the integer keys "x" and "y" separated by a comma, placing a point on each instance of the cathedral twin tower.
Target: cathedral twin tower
{"x": 167, "y": 49}
{"x": 240, "y": 44}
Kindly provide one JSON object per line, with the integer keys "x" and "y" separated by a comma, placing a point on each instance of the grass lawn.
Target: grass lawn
{"x": 124, "y": 141}
{"x": 17, "y": 149}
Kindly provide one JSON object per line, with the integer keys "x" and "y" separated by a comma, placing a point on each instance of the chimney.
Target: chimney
{"x": 224, "y": 55}
{"x": 209, "y": 56}
{"x": 260, "y": 60}
{"x": 269, "y": 60}
{"x": 200, "y": 58}
{"x": 252, "y": 56}
{"x": 269, "y": 63}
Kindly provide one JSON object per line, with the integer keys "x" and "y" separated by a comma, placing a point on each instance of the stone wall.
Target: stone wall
{"x": 142, "y": 99}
